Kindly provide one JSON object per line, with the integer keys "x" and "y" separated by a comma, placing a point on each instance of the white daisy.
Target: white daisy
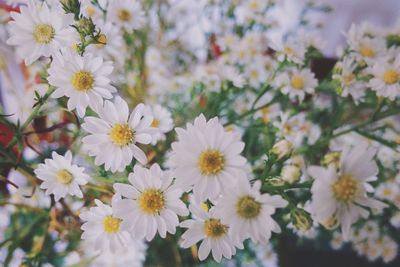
{"x": 209, "y": 228}
{"x": 85, "y": 80}
{"x": 150, "y": 203}
{"x": 348, "y": 80}
{"x": 60, "y": 177}
{"x": 207, "y": 158}
{"x": 111, "y": 46}
{"x": 38, "y": 31}
{"x": 368, "y": 49}
{"x": 248, "y": 212}
{"x": 296, "y": 83}
{"x": 102, "y": 229}
{"x": 127, "y": 14}
{"x": 114, "y": 135}
{"x": 341, "y": 198}
{"x": 386, "y": 78}
{"x": 162, "y": 121}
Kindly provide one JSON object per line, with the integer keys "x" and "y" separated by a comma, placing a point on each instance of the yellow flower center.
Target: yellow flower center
{"x": 64, "y": 177}
{"x": 248, "y": 208}
{"x": 102, "y": 41}
{"x": 122, "y": 134}
{"x": 155, "y": 123}
{"x": 43, "y": 33}
{"x": 348, "y": 78}
{"x": 124, "y": 15}
{"x": 90, "y": 11}
{"x": 111, "y": 224}
{"x": 288, "y": 50}
{"x": 391, "y": 76}
{"x": 367, "y": 51}
{"x": 211, "y": 162}
{"x": 82, "y": 80}
{"x": 213, "y": 228}
{"x": 387, "y": 192}
{"x": 345, "y": 189}
{"x": 152, "y": 201}
{"x": 297, "y": 82}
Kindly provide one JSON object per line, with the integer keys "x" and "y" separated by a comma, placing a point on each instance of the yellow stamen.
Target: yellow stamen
{"x": 102, "y": 39}
{"x": 82, "y": 80}
{"x": 152, "y": 201}
{"x": 211, "y": 162}
{"x": 111, "y": 224}
{"x": 248, "y": 208}
{"x": 124, "y": 15}
{"x": 345, "y": 189}
{"x": 64, "y": 177}
{"x": 122, "y": 134}
{"x": 155, "y": 123}
{"x": 297, "y": 82}
{"x": 367, "y": 51}
{"x": 213, "y": 228}
{"x": 43, "y": 33}
{"x": 391, "y": 76}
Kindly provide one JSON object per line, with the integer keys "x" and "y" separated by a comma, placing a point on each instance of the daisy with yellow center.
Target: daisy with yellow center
{"x": 84, "y": 80}
{"x": 60, "y": 177}
{"x": 150, "y": 203}
{"x": 386, "y": 78}
{"x": 162, "y": 122}
{"x": 215, "y": 236}
{"x": 207, "y": 158}
{"x": 38, "y": 31}
{"x": 248, "y": 212}
{"x": 127, "y": 14}
{"x": 113, "y": 137}
{"x": 296, "y": 83}
{"x": 349, "y": 82}
{"x": 102, "y": 229}
{"x": 343, "y": 196}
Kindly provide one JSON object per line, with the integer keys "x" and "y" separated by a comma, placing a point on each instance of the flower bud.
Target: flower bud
{"x": 282, "y": 149}
{"x": 290, "y": 173}
{"x": 331, "y": 158}
{"x": 275, "y": 181}
{"x": 301, "y": 219}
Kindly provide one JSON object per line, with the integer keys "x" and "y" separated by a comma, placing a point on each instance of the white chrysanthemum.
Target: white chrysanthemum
{"x": 162, "y": 121}
{"x": 368, "y": 49}
{"x": 60, "y": 177}
{"x": 207, "y": 158}
{"x": 292, "y": 50}
{"x": 248, "y": 212}
{"x": 127, "y": 14}
{"x": 296, "y": 83}
{"x": 113, "y": 136}
{"x": 386, "y": 78}
{"x": 150, "y": 203}
{"x": 348, "y": 80}
{"x": 111, "y": 46}
{"x": 38, "y": 31}
{"x": 102, "y": 229}
{"x": 85, "y": 80}
{"x": 215, "y": 235}
{"x": 342, "y": 198}
{"x": 256, "y": 72}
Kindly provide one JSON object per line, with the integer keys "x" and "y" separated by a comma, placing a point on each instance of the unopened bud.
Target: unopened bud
{"x": 290, "y": 173}
{"x": 71, "y": 6}
{"x": 282, "y": 149}
{"x": 275, "y": 181}
{"x": 301, "y": 219}
{"x": 85, "y": 26}
{"x": 331, "y": 158}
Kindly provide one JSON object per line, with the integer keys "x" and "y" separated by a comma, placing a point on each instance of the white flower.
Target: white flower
{"x": 292, "y": 50}
{"x": 347, "y": 77}
{"x": 85, "y": 80}
{"x": 60, "y": 177}
{"x": 296, "y": 83}
{"x": 248, "y": 212}
{"x": 162, "y": 121}
{"x": 368, "y": 49}
{"x": 207, "y": 158}
{"x": 256, "y": 73}
{"x": 389, "y": 249}
{"x": 102, "y": 229}
{"x": 386, "y": 78}
{"x": 341, "y": 198}
{"x": 150, "y": 203}
{"x": 38, "y": 31}
{"x": 337, "y": 241}
{"x": 387, "y": 191}
{"x": 209, "y": 228}
{"x": 111, "y": 46}
{"x": 114, "y": 135}
{"x": 127, "y": 14}
{"x": 290, "y": 173}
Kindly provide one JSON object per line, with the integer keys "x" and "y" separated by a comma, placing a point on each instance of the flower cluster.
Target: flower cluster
{"x": 152, "y": 149}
